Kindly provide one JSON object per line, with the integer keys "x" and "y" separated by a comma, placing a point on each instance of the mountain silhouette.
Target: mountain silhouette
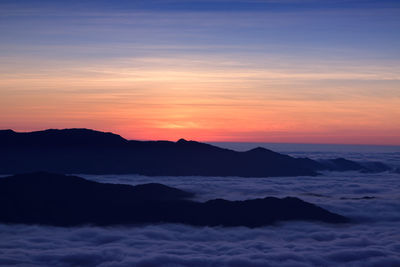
{"x": 93, "y": 152}
{"x": 60, "y": 200}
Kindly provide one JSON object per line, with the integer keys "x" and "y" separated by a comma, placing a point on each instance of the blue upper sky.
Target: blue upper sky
{"x": 324, "y": 23}
{"x": 206, "y": 5}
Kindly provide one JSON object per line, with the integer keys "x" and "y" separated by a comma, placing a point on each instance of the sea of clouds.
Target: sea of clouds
{"x": 372, "y": 201}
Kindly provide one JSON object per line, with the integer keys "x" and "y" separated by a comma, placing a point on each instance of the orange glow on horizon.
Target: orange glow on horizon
{"x": 207, "y": 103}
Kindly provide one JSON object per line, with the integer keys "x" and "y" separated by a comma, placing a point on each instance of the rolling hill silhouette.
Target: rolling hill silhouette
{"x": 94, "y": 152}
{"x": 54, "y": 199}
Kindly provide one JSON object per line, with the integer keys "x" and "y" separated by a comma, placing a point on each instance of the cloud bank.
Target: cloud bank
{"x": 294, "y": 244}
{"x": 373, "y": 240}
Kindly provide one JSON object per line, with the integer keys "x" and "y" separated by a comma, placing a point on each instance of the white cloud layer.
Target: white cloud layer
{"x": 372, "y": 240}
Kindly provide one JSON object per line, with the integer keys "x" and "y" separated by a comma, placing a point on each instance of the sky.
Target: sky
{"x": 296, "y": 71}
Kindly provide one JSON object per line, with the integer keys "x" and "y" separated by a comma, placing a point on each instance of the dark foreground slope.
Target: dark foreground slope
{"x": 52, "y": 199}
{"x": 93, "y": 152}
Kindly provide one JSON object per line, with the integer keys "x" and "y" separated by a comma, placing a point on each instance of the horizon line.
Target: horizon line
{"x": 207, "y": 141}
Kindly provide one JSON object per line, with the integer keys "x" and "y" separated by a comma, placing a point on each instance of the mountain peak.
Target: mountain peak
{"x": 61, "y": 137}
{"x": 258, "y": 149}
{"x": 6, "y": 132}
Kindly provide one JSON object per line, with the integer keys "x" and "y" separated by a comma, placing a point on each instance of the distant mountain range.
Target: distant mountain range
{"x": 93, "y": 152}
{"x": 54, "y": 199}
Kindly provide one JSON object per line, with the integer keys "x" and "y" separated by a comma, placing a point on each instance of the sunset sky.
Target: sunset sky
{"x": 301, "y": 71}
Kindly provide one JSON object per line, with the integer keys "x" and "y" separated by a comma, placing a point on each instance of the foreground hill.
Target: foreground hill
{"x": 94, "y": 152}
{"x": 53, "y": 199}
